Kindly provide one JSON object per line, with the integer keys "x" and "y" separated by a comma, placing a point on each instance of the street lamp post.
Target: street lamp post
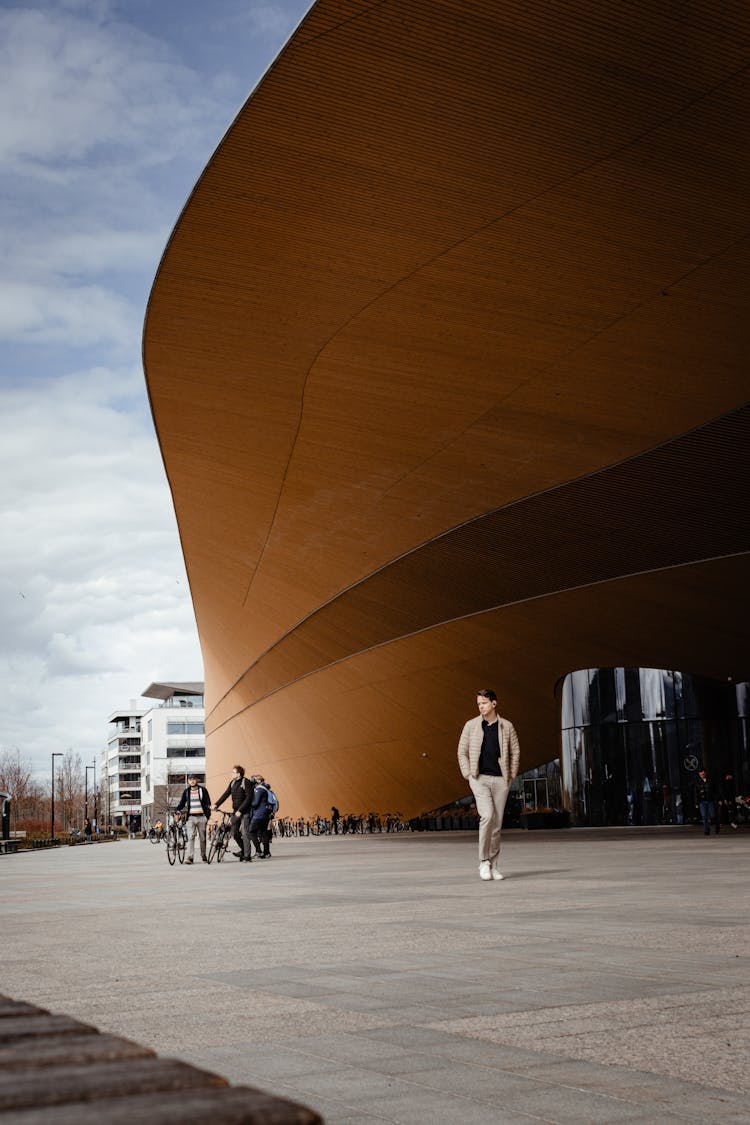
{"x": 86, "y": 797}
{"x": 56, "y": 754}
{"x": 96, "y": 809}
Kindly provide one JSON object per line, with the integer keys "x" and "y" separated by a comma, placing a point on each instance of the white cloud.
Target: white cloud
{"x": 103, "y": 131}
{"x": 94, "y": 601}
{"x": 77, "y": 315}
{"x": 264, "y": 18}
{"x": 109, "y": 110}
{"x": 75, "y": 88}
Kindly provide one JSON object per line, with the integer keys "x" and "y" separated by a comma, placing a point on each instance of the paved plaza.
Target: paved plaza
{"x": 377, "y": 979}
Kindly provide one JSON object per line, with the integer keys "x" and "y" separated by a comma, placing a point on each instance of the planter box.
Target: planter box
{"x": 545, "y": 820}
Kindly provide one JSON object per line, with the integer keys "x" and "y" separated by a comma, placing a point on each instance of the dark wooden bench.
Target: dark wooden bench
{"x": 55, "y": 1070}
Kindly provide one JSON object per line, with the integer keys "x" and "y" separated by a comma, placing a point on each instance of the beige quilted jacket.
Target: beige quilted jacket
{"x": 470, "y": 745}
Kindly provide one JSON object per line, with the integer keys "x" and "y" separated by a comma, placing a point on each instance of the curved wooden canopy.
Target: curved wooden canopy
{"x": 448, "y": 359}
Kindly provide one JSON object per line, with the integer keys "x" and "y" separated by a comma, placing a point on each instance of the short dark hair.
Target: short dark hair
{"x": 240, "y": 770}
{"x": 487, "y": 693}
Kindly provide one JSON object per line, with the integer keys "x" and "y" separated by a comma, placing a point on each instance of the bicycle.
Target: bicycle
{"x": 221, "y": 837}
{"x": 156, "y": 833}
{"x": 176, "y": 838}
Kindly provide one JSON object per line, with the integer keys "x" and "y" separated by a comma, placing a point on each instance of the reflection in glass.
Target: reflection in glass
{"x": 633, "y": 740}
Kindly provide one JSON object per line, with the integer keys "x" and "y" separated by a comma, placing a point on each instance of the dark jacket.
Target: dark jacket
{"x": 205, "y": 801}
{"x": 728, "y": 790}
{"x": 260, "y": 810}
{"x": 704, "y": 790}
{"x": 241, "y": 791}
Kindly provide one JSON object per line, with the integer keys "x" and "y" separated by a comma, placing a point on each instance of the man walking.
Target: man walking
{"x": 240, "y": 789}
{"x": 197, "y": 805}
{"x": 488, "y": 756}
{"x": 705, "y": 799}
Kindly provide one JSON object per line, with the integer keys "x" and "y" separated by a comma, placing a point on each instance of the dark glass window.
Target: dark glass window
{"x": 641, "y": 769}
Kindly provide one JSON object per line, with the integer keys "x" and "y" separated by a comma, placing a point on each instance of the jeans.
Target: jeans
{"x": 708, "y": 814}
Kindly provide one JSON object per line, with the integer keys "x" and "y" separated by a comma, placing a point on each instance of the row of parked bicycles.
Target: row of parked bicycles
{"x": 174, "y": 836}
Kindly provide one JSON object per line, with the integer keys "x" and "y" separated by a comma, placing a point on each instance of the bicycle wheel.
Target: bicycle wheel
{"x": 171, "y": 846}
{"x": 181, "y": 843}
{"x": 223, "y": 844}
{"x": 213, "y": 847}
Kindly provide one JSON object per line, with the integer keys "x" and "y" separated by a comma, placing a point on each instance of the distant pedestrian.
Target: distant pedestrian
{"x": 259, "y": 814}
{"x": 335, "y": 818}
{"x": 197, "y": 805}
{"x": 272, "y": 802}
{"x": 488, "y": 757}
{"x": 87, "y": 830}
{"x": 728, "y": 801}
{"x": 706, "y": 802}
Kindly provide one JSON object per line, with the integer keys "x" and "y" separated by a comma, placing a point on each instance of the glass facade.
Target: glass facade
{"x": 633, "y": 740}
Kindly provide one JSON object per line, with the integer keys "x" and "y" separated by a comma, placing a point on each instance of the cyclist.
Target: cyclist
{"x": 240, "y": 789}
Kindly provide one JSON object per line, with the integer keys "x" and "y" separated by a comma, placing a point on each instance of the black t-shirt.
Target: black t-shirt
{"x": 489, "y": 757}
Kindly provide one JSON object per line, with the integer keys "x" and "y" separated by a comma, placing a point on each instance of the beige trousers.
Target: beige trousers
{"x": 196, "y": 824}
{"x": 490, "y": 794}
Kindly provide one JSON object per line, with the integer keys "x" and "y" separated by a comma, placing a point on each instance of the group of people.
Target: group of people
{"x": 716, "y": 804}
{"x": 254, "y": 805}
{"x": 488, "y": 758}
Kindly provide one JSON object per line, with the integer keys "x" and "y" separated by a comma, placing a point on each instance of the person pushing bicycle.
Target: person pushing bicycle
{"x": 240, "y": 789}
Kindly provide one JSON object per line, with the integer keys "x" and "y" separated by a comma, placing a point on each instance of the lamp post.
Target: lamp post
{"x": 86, "y": 797}
{"x": 96, "y": 810}
{"x": 56, "y": 754}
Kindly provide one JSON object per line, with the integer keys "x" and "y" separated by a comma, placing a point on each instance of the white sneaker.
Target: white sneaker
{"x": 495, "y": 873}
{"x": 484, "y": 869}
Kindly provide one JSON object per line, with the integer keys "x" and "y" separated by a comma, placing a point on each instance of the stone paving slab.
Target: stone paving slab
{"x": 377, "y": 979}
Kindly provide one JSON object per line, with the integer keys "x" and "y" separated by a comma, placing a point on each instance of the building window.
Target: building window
{"x": 175, "y": 727}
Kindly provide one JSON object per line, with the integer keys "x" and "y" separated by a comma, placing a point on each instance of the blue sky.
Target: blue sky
{"x": 109, "y": 111}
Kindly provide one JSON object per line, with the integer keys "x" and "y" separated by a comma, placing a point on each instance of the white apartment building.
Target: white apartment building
{"x": 121, "y": 767}
{"x": 173, "y": 744}
{"x": 150, "y": 752}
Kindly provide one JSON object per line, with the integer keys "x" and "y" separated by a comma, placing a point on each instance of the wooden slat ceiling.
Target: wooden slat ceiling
{"x": 451, "y": 337}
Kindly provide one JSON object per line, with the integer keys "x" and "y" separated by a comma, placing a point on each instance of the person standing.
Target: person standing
{"x": 240, "y": 789}
{"x": 335, "y": 818}
{"x": 488, "y": 757}
{"x": 197, "y": 805}
{"x": 272, "y": 803}
{"x": 728, "y": 800}
{"x": 259, "y": 814}
{"x": 705, "y": 799}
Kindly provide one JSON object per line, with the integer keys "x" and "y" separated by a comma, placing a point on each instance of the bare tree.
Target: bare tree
{"x": 16, "y": 778}
{"x": 69, "y": 787}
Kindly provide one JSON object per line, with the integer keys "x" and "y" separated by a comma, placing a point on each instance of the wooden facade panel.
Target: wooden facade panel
{"x": 450, "y": 256}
